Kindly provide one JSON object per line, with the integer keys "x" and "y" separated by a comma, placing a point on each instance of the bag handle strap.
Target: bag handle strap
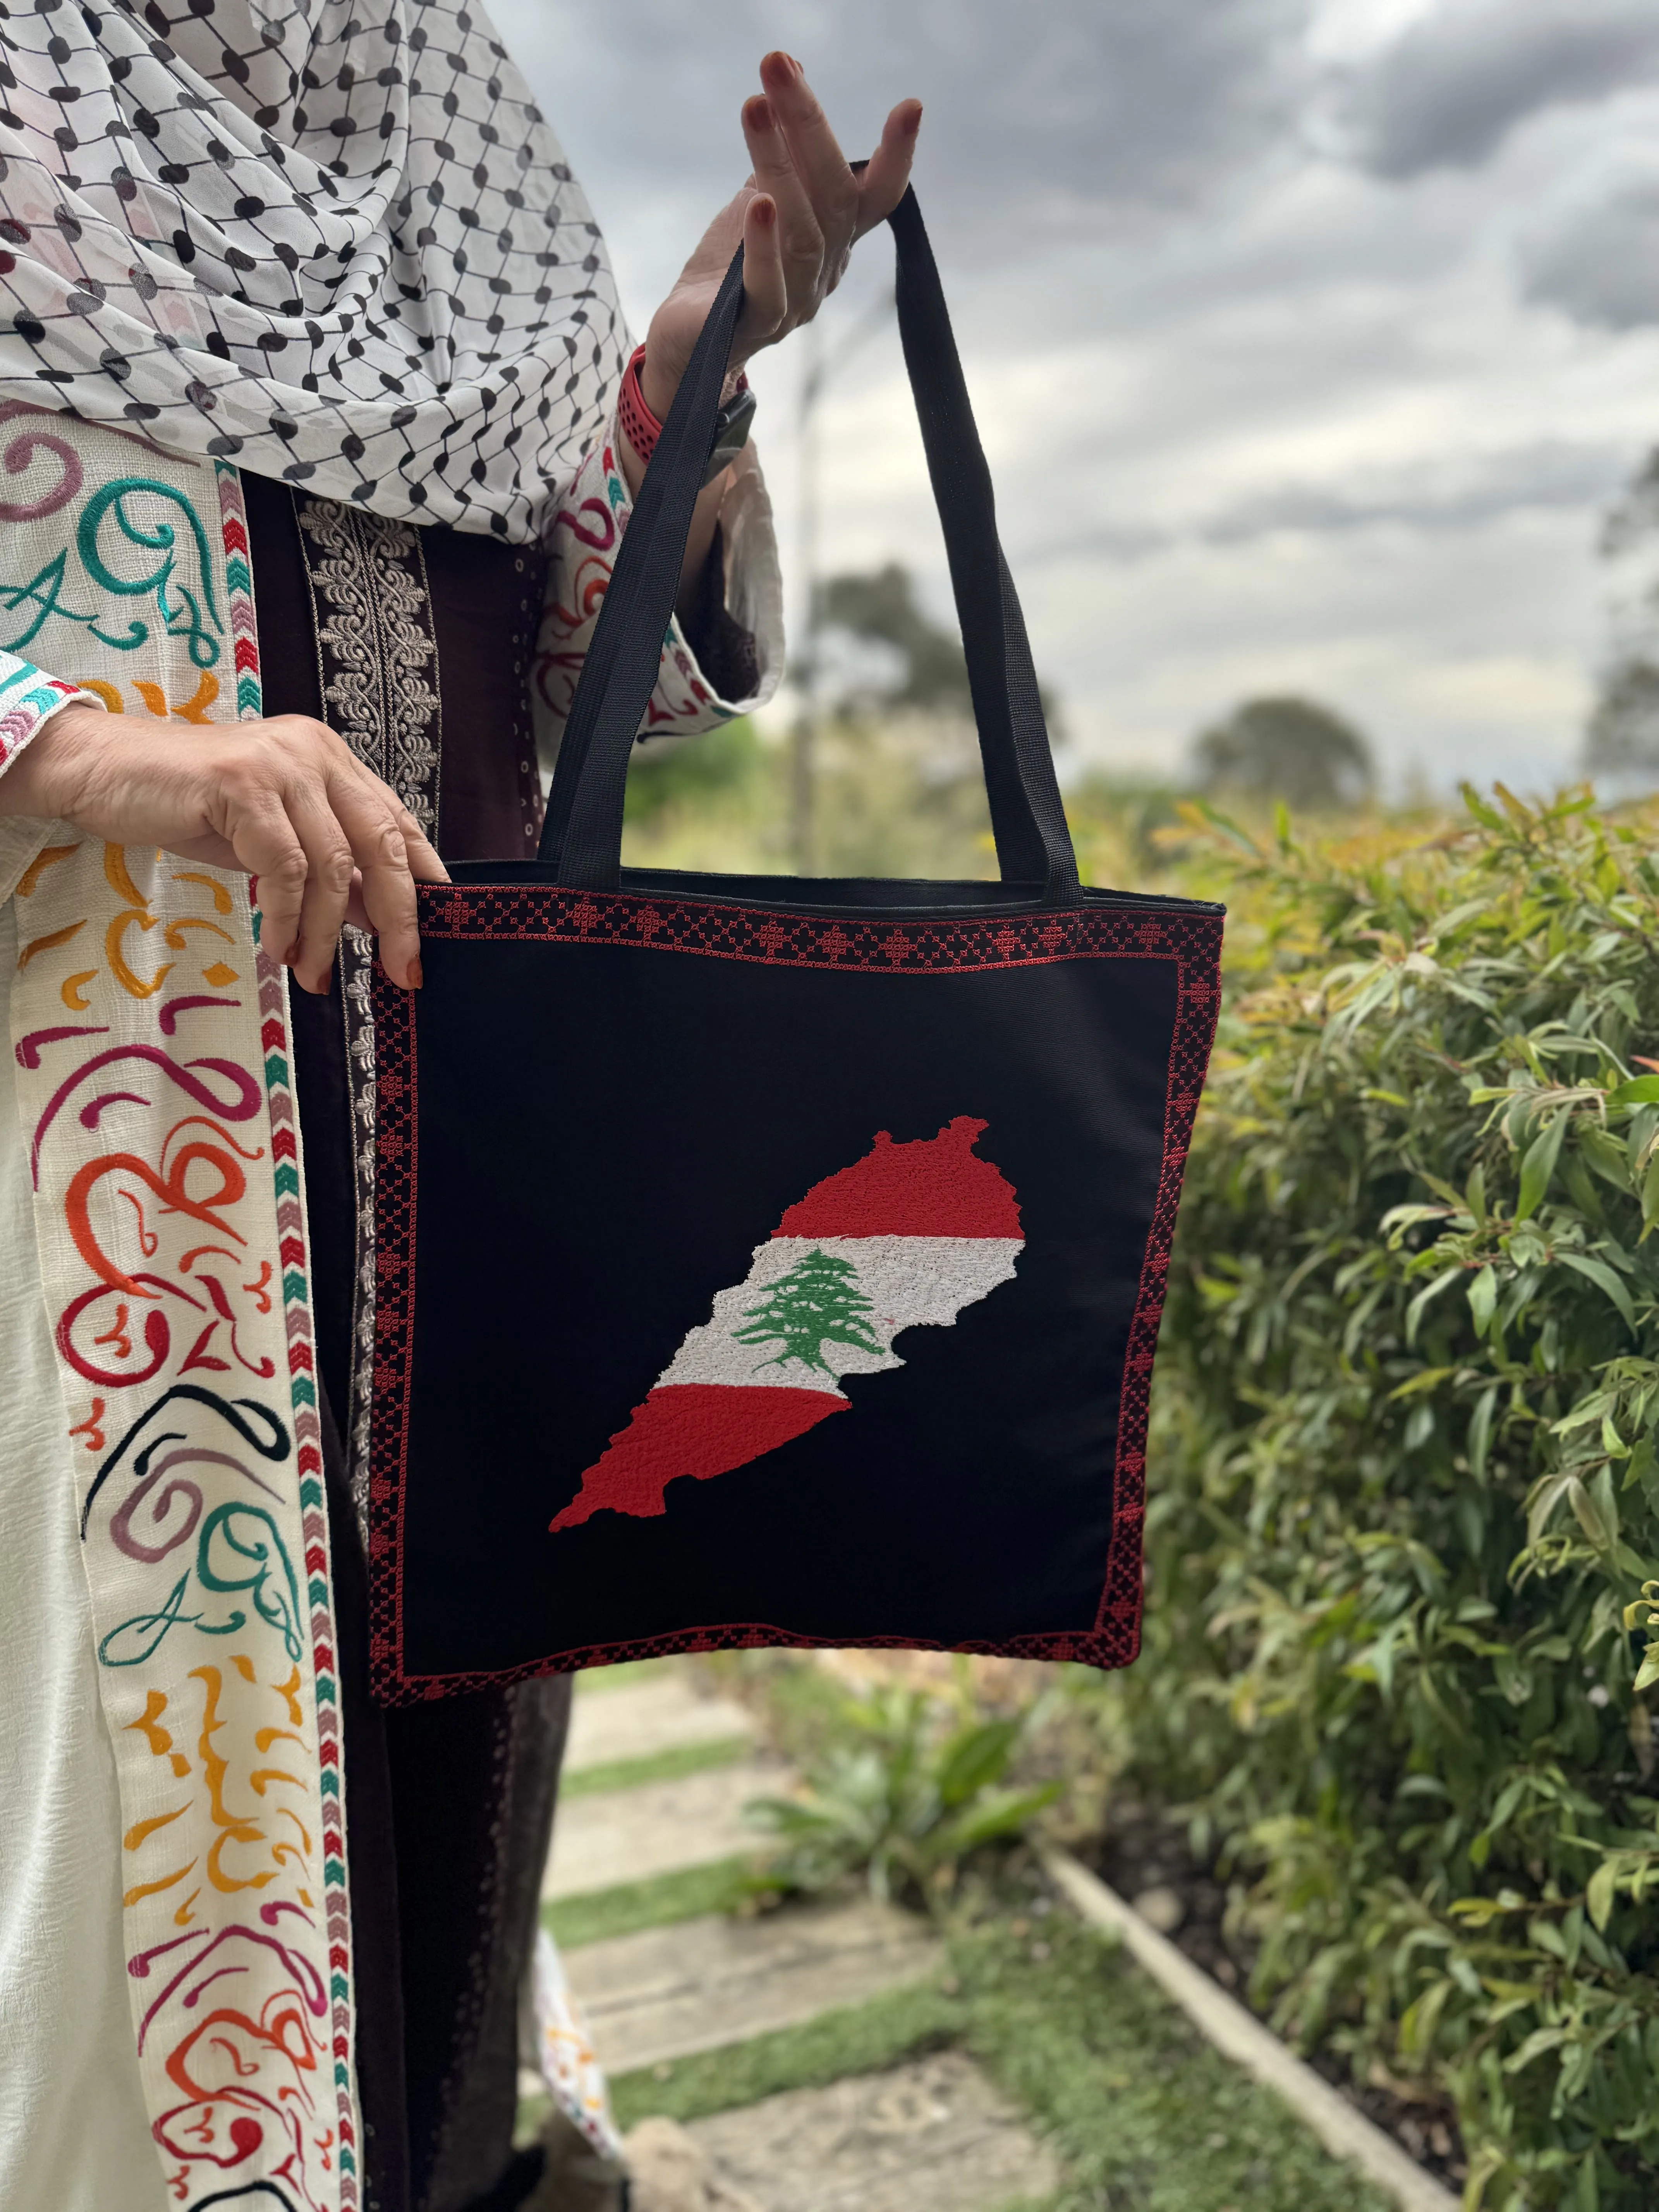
{"x": 581, "y": 838}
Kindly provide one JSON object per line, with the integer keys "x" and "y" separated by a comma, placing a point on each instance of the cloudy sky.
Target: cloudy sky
{"x": 1309, "y": 339}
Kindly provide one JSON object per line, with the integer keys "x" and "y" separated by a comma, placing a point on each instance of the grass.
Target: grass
{"x": 719, "y": 1888}
{"x": 1143, "y": 2115}
{"x": 595, "y": 1681}
{"x": 861, "y": 2040}
{"x": 659, "y": 1766}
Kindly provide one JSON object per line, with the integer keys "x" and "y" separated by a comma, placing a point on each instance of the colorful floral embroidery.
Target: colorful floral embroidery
{"x": 586, "y": 532}
{"x": 151, "y": 1038}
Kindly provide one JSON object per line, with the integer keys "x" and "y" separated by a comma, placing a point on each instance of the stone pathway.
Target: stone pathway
{"x": 668, "y": 1993}
{"x": 932, "y": 2136}
{"x": 662, "y": 1713}
{"x": 656, "y": 1827}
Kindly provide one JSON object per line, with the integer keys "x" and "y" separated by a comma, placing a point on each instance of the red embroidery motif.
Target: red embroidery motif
{"x": 906, "y": 1237}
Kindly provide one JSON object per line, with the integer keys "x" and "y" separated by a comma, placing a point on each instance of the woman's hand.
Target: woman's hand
{"x": 798, "y": 217}
{"x": 284, "y": 800}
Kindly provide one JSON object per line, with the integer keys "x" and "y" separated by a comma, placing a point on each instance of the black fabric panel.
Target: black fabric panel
{"x": 579, "y": 1211}
{"x": 486, "y": 609}
{"x": 479, "y": 2096}
{"x": 287, "y": 665}
{"x": 447, "y": 1824}
{"x": 723, "y": 649}
{"x": 370, "y": 1841}
{"x": 473, "y": 1782}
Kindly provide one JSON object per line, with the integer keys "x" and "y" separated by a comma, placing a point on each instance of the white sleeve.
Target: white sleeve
{"x": 28, "y": 697}
{"x": 586, "y": 532}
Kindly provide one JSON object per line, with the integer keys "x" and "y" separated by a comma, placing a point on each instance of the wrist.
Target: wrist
{"x": 44, "y": 779}
{"x": 657, "y": 385}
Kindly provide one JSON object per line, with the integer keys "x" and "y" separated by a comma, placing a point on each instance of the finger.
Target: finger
{"x": 383, "y": 835}
{"x": 328, "y": 857}
{"x": 765, "y": 291}
{"x": 887, "y": 172}
{"x": 264, "y": 843}
{"x": 800, "y": 241}
{"x": 424, "y": 864}
{"x": 208, "y": 851}
{"x": 814, "y": 150}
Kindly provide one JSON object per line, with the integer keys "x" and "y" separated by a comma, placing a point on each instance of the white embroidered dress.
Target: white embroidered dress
{"x": 174, "y": 1927}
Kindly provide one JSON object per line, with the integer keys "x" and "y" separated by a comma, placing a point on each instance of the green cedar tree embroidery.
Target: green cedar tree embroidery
{"x": 817, "y": 1302}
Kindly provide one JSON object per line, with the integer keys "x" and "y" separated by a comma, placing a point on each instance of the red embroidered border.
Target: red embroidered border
{"x": 548, "y": 913}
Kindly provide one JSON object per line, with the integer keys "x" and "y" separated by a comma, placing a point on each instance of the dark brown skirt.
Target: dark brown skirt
{"x": 449, "y": 1807}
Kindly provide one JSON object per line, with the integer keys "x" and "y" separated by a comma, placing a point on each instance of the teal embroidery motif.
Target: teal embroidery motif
{"x": 186, "y": 610}
{"x": 266, "y": 1570}
{"x": 184, "y": 613}
{"x": 43, "y": 592}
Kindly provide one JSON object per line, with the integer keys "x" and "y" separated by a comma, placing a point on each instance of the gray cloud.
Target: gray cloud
{"x": 1450, "y": 89}
{"x": 1598, "y": 259}
{"x": 1031, "y": 112}
{"x": 1257, "y": 423}
{"x": 1449, "y": 499}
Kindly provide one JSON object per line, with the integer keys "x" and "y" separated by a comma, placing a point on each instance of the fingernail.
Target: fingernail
{"x": 915, "y": 122}
{"x": 758, "y": 112}
{"x": 415, "y": 978}
{"x": 766, "y": 213}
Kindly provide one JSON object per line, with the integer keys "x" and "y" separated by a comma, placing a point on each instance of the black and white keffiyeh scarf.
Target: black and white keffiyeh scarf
{"x": 332, "y": 240}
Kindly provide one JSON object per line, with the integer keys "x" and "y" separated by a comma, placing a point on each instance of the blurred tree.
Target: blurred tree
{"x": 880, "y": 609}
{"x": 927, "y": 669}
{"x": 1285, "y": 748}
{"x": 692, "y": 772}
{"x": 1622, "y": 739}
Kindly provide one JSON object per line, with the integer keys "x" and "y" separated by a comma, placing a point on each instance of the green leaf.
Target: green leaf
{"x": 1605, "y": 1154}
{"x": 1002, "y": 1813}
{"x": 1599, "y": 1273}
{"x": 1641, "y": 1090}
{"x": 1475, "y": 1193}
{"x": 976, "y": 1756}
{"x": 1483, "y": 1299}
{"x": 1480, "y": 1443}
{"x": 1419, "y": 1305}
{"x": 1600, "y": 1894}
{"x": 1538, "y": 1166}
{"x": 1587, "y": 1510}
{"x": 1540, "y": 2041}
{"x": 1650, "y": 1191}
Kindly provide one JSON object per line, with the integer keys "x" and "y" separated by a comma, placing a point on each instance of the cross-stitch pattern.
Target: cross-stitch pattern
{"x": 904, "y": 1238}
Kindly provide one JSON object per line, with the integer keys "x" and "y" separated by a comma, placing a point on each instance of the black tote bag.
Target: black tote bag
{"x": 776, "y": 1259}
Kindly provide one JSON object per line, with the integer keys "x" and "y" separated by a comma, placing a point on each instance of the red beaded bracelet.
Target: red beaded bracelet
{"x": 640, "y": 426}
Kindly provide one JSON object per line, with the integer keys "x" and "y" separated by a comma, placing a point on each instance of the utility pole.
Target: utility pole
{"x": 819, "y": 369}
{"x": 803, "y": 739}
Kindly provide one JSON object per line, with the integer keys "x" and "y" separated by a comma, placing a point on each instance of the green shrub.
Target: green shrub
{"x": 1404, "y": 1488}
{"x": 904, "y": 1789}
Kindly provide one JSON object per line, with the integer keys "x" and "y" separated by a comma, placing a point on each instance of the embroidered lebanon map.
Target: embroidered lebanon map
{"x": 905, "y": 1237}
